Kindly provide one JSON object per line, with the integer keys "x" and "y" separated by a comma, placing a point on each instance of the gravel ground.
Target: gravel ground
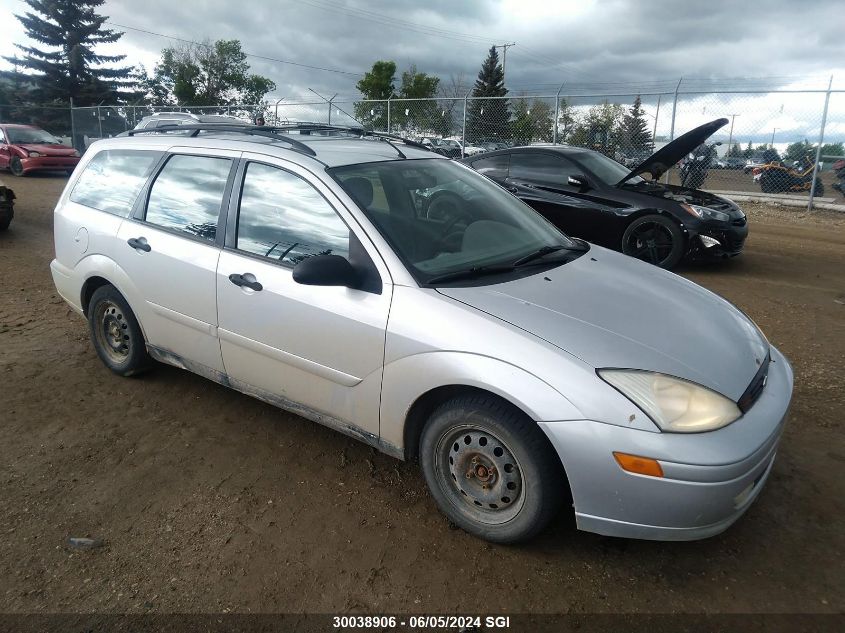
{"x": 209, "y": 501}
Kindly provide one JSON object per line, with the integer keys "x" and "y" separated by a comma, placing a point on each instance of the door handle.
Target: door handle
{"x": 240, "y": 280}
{"x": 139, "y": 243}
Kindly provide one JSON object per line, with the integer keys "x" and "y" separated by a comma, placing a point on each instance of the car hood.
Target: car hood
{"x": 49, "y": 150}
{"x": 668, "y": 155}
{"x": 610, "y": 310}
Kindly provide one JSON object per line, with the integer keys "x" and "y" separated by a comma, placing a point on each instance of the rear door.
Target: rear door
{"x": 316, "y": 349}
{"x": 170, "y": 248}
{"x": 541, "y": 180}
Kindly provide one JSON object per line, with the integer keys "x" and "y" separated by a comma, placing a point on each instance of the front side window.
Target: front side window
{"x": 283, "y": 217}
{"x": 541, "y": 168}
{"x": 441, "y": 217}
{"x": 187, "y": 194}
{"x": 2, "y": 137}
{"x": 605, "y": 169}
{"x": 112, "y": 180}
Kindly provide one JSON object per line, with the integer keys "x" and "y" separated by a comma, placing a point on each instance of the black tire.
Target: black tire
{"x": 115, "y": 333}
{"x": 15, "y": 166}
{"x": 505, "y": 451}
{"x": 6, "y": 216}
{"x": 819, "y": 192}
{"x": 655, "y": 239}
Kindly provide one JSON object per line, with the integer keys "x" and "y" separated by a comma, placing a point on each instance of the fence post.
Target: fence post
{"x": 672, "y": 127}
{"x": 819, "y": 148}
{"x": 464, "y": 126}
{"x": 557, "y": 112}
{"x": 72, "y": 127}
{"x": 388, "y": 115}
{"x": 100, "y": 121}
{"x": 330, "y": 109}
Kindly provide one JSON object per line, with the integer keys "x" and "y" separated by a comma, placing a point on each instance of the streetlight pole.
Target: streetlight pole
{"x": 772, "y": 143}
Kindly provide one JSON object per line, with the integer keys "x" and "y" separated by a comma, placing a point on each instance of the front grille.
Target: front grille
{"x": 747, "y": 400}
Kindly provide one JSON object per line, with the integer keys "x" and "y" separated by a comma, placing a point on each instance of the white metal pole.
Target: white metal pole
{"x": 819, "y": 148}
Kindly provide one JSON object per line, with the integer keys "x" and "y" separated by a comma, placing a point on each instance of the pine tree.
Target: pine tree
{"x": 635, "y": 135}
{"x": 489, "y": 118}
{"x": 75, "y": 69}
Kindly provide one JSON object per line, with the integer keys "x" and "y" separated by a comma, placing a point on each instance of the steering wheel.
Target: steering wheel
{"x": 444, "y": 205}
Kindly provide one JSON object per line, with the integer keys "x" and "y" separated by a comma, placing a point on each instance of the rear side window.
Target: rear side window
{"x": 283, "y": 217}
{"x": 187, "y": 195}
{"x": 112, "y": 180}
{"x": 493, "y": 166}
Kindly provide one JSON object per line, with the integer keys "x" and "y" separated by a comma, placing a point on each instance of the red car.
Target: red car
{"x": 26, "y": 148}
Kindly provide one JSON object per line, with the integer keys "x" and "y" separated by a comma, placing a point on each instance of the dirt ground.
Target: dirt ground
{"x": 210, "y": 501}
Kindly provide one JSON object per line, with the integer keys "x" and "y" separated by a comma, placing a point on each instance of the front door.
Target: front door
{"x": 541, "y": 180}
{"x": 315, "y": 349}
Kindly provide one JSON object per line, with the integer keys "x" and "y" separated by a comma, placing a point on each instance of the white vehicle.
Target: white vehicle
{"x": 520, "y": 366}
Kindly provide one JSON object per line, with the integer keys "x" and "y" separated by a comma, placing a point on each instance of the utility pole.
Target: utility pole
{"x": 772, "y": 143}
{"x": 731, "y": 133}
{"x": 504, "y": 48}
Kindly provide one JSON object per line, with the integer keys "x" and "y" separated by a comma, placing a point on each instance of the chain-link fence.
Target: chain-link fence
{"x": 776, "y": 141}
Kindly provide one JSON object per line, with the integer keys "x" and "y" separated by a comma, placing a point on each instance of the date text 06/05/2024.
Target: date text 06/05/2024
{"x": 420, "y": 621}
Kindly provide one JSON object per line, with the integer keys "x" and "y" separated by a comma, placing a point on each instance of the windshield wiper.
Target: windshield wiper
{"x": 469, "y": 273}
{"x": 546, "y": 250}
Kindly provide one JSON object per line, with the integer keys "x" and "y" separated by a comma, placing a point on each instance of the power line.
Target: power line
{"x": 264, "y": 57}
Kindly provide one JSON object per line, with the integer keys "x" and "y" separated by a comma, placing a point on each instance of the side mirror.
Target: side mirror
{"x": 325, "y": 270}
{"x": 579, "y": 181}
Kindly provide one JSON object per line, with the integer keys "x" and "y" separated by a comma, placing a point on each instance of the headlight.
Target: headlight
{"x": 35, "y": 155}
{"x": 706, "y": 213}
{"x": 675, "y": 405}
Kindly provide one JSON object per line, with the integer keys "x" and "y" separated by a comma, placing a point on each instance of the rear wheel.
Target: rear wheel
{"x": 16, "y": 166}
{"x": 491, "y": 469}
{"x": 655, "y": 239}
{"x": 115, "y": 332}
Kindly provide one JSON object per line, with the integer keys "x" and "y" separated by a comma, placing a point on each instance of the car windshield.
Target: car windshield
{"x": 17, "y": 135}
{"x": 605, "y": 169}
{"x": 441, "y": 217}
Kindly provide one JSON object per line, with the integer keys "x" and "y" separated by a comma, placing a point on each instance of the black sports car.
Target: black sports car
{"x": 588, "y": 195}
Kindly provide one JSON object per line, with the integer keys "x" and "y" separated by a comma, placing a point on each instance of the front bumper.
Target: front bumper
{"x": 710, "y": 479}
{"x": 730, "y": 240}
{"x": 49, "y": 163}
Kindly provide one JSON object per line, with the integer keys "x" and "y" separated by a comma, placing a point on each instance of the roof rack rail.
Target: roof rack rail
{"x": 252, "y": 130}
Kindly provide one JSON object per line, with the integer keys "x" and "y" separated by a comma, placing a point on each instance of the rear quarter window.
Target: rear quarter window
{"x": 112, "y": 180}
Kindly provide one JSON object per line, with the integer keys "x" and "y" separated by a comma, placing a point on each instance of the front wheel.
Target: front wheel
{"x": 16, "y": 166}
{"x": 490, "y": 469}
{"x": 115, "y": 333}
{"x": 655, "y": 239}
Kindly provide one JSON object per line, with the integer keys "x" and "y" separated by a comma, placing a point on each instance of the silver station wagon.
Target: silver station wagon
{"x": 526, "y": 370}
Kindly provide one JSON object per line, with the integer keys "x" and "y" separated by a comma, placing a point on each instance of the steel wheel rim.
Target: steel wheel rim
{"x": 112, "y": 331}
{"x": 479, "y": 474}
{"x": 650, "y": 241}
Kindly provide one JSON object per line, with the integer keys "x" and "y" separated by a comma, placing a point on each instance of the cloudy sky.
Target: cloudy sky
{"x": 622, "y": 45}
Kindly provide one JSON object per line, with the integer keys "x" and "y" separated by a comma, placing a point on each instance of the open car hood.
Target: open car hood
{"x": 668, "y": 155}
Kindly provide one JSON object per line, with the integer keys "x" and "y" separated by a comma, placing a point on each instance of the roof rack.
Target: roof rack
{"x": 273, "y": 132}
{"x": 252, "y": 130}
